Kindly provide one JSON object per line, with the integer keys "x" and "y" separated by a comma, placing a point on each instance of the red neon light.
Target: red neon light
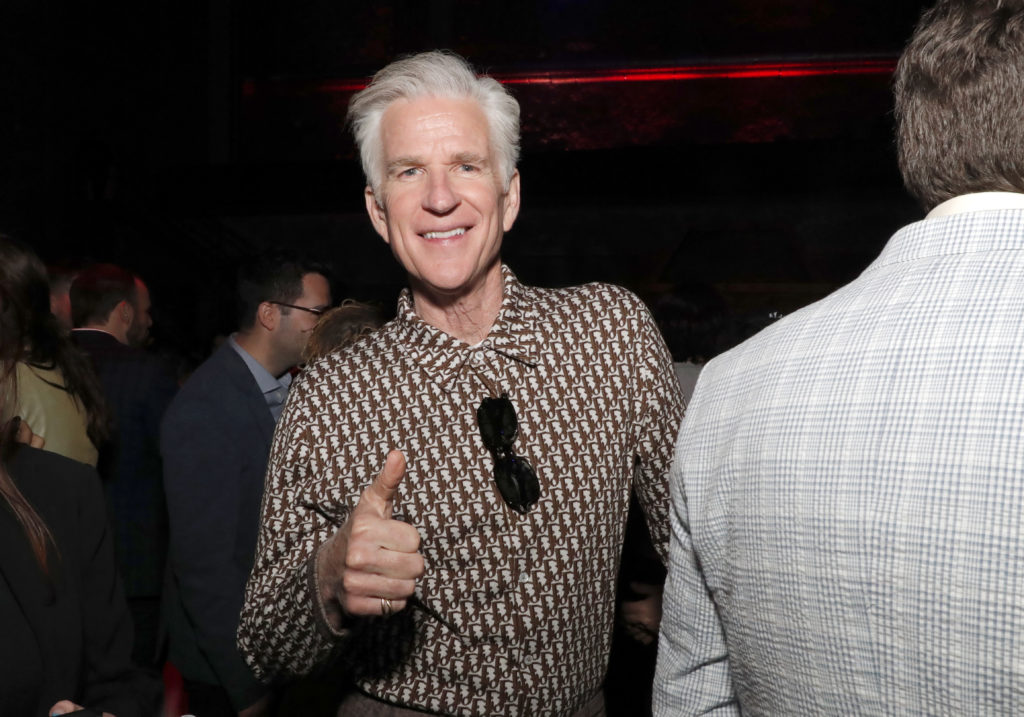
{"x": 751, "y": 70}
{"x": 704, "y": 72}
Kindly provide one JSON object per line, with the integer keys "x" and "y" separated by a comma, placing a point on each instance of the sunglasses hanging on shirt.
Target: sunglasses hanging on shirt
{"x": 516, "y": 479}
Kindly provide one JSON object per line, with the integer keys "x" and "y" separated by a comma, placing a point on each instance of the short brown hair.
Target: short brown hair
{"x": 959, "y": 90}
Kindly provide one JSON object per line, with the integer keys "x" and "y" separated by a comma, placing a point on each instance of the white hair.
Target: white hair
{"x": 437, "y": 73}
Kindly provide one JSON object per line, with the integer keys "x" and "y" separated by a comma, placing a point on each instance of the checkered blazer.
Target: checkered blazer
{"x": 848, "y": 496}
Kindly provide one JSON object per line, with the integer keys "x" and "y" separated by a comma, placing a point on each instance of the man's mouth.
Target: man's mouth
{"x": 459, "y": 231}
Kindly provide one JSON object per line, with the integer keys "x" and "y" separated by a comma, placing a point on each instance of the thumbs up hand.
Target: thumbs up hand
{"x": 370, "y": 565}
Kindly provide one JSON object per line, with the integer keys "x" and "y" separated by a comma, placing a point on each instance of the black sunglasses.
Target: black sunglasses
{"x": 515, "y": 477}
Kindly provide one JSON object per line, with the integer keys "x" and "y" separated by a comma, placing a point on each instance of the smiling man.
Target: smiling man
{"x": 446, "y": 497}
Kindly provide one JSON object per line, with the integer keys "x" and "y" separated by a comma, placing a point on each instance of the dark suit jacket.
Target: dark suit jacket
{"x": 138, "y": 387}
{"x": 69, "y": 636}
{"x": 216, "y": 439}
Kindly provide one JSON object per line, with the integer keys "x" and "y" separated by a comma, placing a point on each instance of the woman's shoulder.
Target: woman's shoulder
{"x": 31, "y": 374}
{"x": 51, "y": 482}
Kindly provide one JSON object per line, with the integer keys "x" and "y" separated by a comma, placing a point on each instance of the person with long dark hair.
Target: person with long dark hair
{"x": 58, "y": 392}
{"x": 67, "y": 633}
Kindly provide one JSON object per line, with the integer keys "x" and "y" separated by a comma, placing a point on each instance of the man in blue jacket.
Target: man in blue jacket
{"x": 215, "y": 439}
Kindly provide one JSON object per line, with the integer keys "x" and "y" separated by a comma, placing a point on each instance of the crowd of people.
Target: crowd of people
{"x": 339, "y": 515}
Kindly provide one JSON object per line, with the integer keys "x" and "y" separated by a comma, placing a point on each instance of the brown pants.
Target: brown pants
{"x": 356, "y": 704}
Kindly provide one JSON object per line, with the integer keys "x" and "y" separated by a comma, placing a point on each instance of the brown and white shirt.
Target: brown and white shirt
{"x": 514, "y": 613}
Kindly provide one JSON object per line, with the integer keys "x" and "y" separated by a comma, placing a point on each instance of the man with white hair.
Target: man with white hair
{"x": 446, "y": 497}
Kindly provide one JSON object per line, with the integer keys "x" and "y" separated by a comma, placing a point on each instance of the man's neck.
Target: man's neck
{"x": 260, "y": 350}
{"x": 468, "y": 316}
{"x": 104, "y": 329}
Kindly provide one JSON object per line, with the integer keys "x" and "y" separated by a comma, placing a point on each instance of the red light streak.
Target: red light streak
{"x": 733, "y": 71}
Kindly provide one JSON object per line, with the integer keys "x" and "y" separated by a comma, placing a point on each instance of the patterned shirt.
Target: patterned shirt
{"x": 848, "y": 496}
{"x": 514, "y": 613}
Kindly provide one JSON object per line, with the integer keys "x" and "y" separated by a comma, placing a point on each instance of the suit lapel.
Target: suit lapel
{"x": 242, "y": 379}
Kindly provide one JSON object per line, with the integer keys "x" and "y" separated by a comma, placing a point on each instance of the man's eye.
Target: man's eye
{"x": 410, "y": 172}
{"x": 467, "y": 167}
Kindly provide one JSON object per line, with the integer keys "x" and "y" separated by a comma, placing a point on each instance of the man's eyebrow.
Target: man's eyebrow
{"x": 470, "y": 158}
{"x": 402, "y": 162}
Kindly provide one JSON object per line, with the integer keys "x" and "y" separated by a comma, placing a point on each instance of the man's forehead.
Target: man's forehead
{"x": 314, "y": 282}
{"x": 412, "y": 125}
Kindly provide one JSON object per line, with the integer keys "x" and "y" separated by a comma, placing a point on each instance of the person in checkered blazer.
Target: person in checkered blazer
{"x": 848, "y": 485}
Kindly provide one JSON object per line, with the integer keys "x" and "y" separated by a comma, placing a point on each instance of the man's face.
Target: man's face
{"x": 444, "y": 208}
{"x": 295, "y": 326}
{"x": 138, "y": 330}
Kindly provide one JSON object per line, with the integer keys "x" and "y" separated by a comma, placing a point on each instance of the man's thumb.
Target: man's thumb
{"x": 385, "y": 485}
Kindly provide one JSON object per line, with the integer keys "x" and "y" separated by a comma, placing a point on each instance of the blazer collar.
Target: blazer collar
{"x": 513, "y": 335}
{"x": 954, "y": 234}
{"x": 245, "y": 383}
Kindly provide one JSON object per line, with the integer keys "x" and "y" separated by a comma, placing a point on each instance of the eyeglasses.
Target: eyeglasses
{"x": 315, "y": 312}
{"x": 515, "y": 477}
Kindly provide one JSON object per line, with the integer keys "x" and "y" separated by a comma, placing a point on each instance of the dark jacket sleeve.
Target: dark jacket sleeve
{"x": 76, "y": 609}
{"x": 111, "y": 682}
{"x": 207, "y": 493}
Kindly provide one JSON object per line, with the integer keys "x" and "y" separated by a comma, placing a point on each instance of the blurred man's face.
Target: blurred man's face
{"x": 60, "y": 305}
{"x": 138, "y": 331}
{"x": 296, "y": 324}
{"x": 444, "y": 209}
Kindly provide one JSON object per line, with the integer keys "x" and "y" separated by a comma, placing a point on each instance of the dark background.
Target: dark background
{"x": 177, "y": 137}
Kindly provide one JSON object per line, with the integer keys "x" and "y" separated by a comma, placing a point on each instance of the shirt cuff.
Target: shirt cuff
{"x": 323, "y": 625}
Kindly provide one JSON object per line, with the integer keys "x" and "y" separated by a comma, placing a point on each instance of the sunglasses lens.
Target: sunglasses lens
{"x": 517, "y": 482}
{"x": 497, "y": 421}
{"x": 508, "y": 486}
{"x": 526, "y": 478}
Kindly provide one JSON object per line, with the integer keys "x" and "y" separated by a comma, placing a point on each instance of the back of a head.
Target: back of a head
{"x": 26, "y": 319}
{"x": 30, "y": 332}
{"x": 959, "y": 91}
{"x": 15, "y": 259}
{"x": 432, "y": 74}
{"x": 97, "y": 290}
{"x": 340, "y": 326}
{"x": 273, "y": 276}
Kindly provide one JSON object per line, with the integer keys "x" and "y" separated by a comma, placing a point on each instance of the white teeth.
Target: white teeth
{"x": 445, "y": 235}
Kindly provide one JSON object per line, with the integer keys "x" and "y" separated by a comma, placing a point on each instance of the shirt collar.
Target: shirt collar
{"x": 274, "y": 390}
{"x": 442, "y": 356}
{"x": 978, "y": 202}
{"x": 83, "y": 329}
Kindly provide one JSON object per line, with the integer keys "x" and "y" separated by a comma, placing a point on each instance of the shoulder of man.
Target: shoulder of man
{"x": 594, "y": 301}
{"x": 212, "y": 384}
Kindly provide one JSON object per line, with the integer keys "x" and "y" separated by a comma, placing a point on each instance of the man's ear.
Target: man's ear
{"x": 378, "y": 215}
{"x": 124, "y": 312}
{"x": 511, "y": 203}
{"x": 268, "y": 315}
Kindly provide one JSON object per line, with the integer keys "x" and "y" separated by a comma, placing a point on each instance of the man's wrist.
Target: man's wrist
{"x": 328, "y": 610}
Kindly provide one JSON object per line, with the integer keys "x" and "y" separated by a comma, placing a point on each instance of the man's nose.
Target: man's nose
{"x": 441, "y": 197}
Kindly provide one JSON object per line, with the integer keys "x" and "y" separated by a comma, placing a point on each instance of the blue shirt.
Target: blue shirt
{"x": 275, "y": 390}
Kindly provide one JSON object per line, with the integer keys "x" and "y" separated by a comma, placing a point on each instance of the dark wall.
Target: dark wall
{"x": 178, "y": 137}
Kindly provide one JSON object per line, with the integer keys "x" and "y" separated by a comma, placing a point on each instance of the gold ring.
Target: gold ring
{"x": 386, "y": 608}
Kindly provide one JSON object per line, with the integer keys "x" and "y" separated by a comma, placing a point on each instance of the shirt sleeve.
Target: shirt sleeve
{"x": 282, "y": 630}
{"x": 692, "y": 676}
{"x": 658, "y": 408}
